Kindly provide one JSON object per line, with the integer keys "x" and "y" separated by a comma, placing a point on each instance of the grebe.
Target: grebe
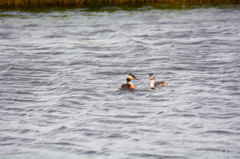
{"x": 151, "y": 77}
{"x": 129, "y": 85}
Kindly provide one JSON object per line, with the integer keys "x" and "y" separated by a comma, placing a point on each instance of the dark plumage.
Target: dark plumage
{"x": 159, "y": 83}
{"x": 125, "y": 86}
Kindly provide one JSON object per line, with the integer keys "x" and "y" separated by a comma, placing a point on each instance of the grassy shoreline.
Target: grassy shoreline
{"x": 80, "y": 3}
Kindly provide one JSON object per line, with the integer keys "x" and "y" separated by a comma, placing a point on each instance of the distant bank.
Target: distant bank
{"x": 79, "y": 3}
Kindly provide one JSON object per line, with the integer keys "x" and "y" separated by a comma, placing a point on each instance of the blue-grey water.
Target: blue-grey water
{"x": 60, "y": 73}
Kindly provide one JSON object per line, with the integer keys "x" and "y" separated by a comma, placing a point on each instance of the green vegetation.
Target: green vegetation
{"x": 78, "y": 3}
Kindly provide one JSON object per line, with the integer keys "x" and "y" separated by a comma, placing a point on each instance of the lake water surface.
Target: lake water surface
{"x": 60, "y": 73}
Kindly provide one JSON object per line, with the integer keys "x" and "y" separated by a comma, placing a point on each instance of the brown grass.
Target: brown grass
{"x": 77, "y": 3}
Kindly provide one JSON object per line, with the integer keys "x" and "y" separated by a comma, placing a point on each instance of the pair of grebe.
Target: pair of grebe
{"x": 131, "y": 77}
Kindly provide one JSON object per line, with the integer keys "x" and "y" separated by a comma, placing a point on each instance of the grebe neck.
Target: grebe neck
{"x": 152, "y": 83}
{"x": 129, "y": 82}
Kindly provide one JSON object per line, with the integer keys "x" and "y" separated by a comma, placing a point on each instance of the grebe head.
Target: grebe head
{"x": 132, "y": 77}
{"x": 151, "y": 77}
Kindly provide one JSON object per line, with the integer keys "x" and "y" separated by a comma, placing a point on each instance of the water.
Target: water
{"x": 60, "y": 71}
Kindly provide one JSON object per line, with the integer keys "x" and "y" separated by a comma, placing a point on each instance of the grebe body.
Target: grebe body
{"x": 129, "y": 85}
{"x": 155, "y": 84}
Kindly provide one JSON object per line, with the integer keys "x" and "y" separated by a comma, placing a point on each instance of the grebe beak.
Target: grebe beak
{"x": 136, "y": 78}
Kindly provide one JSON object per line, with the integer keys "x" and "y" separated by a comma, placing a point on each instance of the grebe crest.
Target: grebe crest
{"x": 131, "y": 77}
{"x": 151, "y": 77}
